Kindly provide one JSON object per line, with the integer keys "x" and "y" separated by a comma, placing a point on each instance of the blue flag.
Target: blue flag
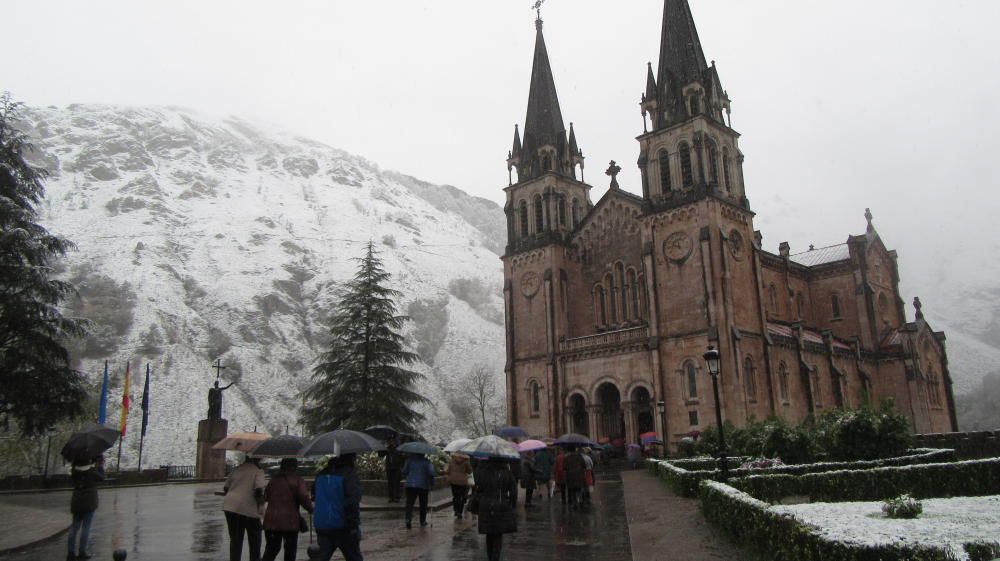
{"x": 145, "y": 402}
{"x": 102, "y": 415}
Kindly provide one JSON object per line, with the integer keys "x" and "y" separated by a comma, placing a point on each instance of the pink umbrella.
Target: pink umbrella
{"x": 531, "y": 446}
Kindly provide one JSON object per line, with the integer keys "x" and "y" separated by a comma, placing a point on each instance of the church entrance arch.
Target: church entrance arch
{"x": 612, "y": 419}
{"x": 642, "y": 407}
{"x": 578, "y": 415}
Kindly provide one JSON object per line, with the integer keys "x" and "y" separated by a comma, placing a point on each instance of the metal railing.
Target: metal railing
{"x": 605, "y": 339}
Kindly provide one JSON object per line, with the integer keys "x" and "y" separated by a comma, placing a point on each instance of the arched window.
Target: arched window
{"x": 547, "y": 163}
{"x": 664, "y": 171}
{"x": 575, "y": 213}
{"x": 539, "y": 215}
{"x": 835, "y": 305}
{"x": 772, "y": 297}
{"x": 561, "y": 209}
{"x": 750, "y": 378}
{"x": 564, "y": 289}
{"x": 536, "y": 398}
{"x": 600, "y": 303}
{"x": 694, "y": 105}
{"x": 726, "y": 182}
{"x": 609, "y": 281}
{"x": 783, "y": 382}
{"x": 623, "y": 293}
{"x": 633, "y": 282}
{"x": 713, "y": 163}
{"x": 686, "y": 174}
{"x": 691, "y": 379}
{"x": 523, "y": 212}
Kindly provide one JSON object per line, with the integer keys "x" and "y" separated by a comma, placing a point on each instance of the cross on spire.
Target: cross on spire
{"x": 538, "y": 9}
{"x": 218, "y": 368}
{"x": 613, "y": 171}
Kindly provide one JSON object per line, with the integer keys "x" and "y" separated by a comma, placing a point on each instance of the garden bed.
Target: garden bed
{"x": 946, "y": 523}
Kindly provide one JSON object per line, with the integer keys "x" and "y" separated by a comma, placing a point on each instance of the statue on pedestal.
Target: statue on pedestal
{"x": 215, "y": 400}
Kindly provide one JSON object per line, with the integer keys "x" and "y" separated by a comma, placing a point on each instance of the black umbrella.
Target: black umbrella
{"x": 382, "y": 432}
{"x": 283, "y": 446}
{"x": 418, "y": 448}
{"x": 340, "y": 442}
{"x": 89, "y": 443}
{"x": 573, "y": 439}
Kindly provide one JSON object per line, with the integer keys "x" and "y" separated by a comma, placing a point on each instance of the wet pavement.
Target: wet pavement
{"x": 185, "y": 523}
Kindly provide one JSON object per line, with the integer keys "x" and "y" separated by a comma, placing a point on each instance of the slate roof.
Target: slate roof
{"x": 808, "y": 334}
{"x": 823, "y": 255}
{"x": 543, "y": 123}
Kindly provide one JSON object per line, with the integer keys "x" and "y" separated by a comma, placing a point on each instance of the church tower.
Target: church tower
{"x": 545, "y": 202}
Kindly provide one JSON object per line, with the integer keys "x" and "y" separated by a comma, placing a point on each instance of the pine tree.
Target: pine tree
{"x": 362, "y": 380}
{"x": 38, "y": 388}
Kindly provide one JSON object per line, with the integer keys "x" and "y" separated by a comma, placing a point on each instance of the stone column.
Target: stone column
{"x": 630, "y": 421}
{"x": 211, "y": 464}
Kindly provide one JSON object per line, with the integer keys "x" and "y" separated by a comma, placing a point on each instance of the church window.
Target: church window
{"x": 539, "y": 215}
{"x": 772, "y": 297}
{"x": 694, "y": 105}
{"x": 634, "y": 284}
{"x": 547, "y": 163}
{"x": 686, "y": 174}
{"x": 726, "y": 181}
{"x": 561, "y": 205}
{"x": 600, "y": 313}
{"x": 564, "y": 289}
{"x": 575, "y": 213}
{"x": 609, "y": 280}
{"x": 624, "y": 291}
{"x": 750, "y": 379}
{"x": 713, "y": 163}
{"x": 664, "y": 172}
{"x": 524, "y": 218}
{"x": 691, "y": 379}
{"x": 835, "y": 305}
{"x": 693, "y": 418}
{"x": 536, "y": 399}
{"x": 783, "y": 382}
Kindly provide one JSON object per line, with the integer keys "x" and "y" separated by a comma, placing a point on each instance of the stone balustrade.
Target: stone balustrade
{"x": 609, "y": 338}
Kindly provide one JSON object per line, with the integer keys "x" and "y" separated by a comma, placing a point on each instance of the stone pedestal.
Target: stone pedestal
{"x": 211, "y": 464}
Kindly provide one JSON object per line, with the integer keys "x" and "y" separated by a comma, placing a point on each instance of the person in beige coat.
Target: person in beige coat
{"x": 244, "y": 508}
{"x": 458, "y": 471}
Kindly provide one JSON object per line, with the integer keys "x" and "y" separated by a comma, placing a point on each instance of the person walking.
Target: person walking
{"x": 496, "y": 496}
{"x": 588, "y": 475}
{"x": 337, "y": 515}
{"x": 282, "y": 523}
{"x": 419, "y": 474}
{"x": 559, "y": 473}
{"x": 393, "y": 470}
{"x": 458, "y": 470}
{"x": 544, "y": 462}
{"x": 84, "y": 475}
{"x": 528, "y": 477}
{"x": 575, "y": 467}
{"x": 244, "y": 508}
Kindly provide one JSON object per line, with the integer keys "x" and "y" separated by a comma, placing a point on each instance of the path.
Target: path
{"x": 665, "y": 527}
{"x": 24, "y": 526}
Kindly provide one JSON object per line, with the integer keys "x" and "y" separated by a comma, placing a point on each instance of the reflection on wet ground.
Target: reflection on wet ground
{"x": 185, "y": 523}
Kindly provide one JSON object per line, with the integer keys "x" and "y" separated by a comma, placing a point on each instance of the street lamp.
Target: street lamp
{"x": 711, "y": 357}
{"x": 661, "y": 408}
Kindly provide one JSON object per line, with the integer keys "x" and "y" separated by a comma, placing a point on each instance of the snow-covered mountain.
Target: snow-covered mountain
{"x": 202, "y": 238}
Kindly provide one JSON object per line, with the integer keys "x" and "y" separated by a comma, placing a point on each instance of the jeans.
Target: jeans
{"x": 346, "y": 540}
{"x": 412, "y": 493}
{"x": 274, "y": 541}
{"x": 494, "y": 545}
{"x": 237, "y": 525}
{"x": 81, "y": 524}
{"x": 458, "y": 495}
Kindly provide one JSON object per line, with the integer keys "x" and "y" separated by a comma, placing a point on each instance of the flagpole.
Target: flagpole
{"x": 145, "y": 416}
{"x": 118, "y": 463}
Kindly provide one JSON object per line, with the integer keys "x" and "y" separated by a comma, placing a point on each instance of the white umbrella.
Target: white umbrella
{"x": 454, "y": 445}
{"x": 491, "y": 447}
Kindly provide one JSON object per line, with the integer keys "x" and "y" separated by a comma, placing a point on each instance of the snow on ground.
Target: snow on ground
{"x": 947, "y": 523}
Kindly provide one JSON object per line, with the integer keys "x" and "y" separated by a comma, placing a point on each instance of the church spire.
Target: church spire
{"x": 544, "y": 142}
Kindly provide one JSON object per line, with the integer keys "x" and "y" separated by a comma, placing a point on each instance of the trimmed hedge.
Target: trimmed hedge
{"x": 683, "y": 476}
{"x": 774, "y": 536}
{"x": 956, "y": 479}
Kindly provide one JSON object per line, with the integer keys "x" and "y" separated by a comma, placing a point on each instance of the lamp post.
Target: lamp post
{"x": 661, "y": 408}
{"x": 711, "y": 357}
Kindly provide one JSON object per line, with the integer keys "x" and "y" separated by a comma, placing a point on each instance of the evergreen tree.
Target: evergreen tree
{"x": 37, "y": 386}
{"x": 362, "y": 380}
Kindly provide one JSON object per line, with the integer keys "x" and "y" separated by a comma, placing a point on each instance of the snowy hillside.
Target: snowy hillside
{"x": 201, "y": 238}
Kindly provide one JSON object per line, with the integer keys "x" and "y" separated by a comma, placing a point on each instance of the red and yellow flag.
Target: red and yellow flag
{"x": 125, "y": 399}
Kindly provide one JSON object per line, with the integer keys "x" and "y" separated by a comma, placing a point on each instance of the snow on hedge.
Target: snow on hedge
{"x": 949, "y": 523}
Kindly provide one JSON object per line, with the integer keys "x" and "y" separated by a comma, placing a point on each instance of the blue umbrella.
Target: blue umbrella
{"x": 486, "y": 447}
{"x": 511, "y": 432}
{"x": 421, "y": 448}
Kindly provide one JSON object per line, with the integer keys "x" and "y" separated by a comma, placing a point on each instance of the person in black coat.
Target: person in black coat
{"x": 85, "y": 476}
{"x": 393, "y": 470}
{"x": 496, "y": 494}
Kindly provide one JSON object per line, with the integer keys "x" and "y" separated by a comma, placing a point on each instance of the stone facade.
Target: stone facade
{"x": 610, "y": 306}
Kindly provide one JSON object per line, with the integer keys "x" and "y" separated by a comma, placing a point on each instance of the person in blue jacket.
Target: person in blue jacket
{"x": 419, "y": 474}
{"x": 337, "y": 513}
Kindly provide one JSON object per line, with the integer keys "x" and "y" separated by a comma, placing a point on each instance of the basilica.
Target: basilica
{"x": 610, "y": 305}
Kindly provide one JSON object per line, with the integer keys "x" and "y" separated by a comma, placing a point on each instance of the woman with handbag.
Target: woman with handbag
{"x": 459, "y": 472}
{"x": 494, "y": 498}
{"x": 282, "y": 522}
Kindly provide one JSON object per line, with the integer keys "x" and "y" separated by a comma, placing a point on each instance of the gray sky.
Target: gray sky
{"x": 843, "y": 105}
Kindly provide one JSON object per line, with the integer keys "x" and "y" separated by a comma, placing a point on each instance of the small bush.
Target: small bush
{"x": 903, "y": 506}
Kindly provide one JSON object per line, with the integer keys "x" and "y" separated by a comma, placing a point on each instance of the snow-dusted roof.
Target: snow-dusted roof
{"x": 823, "y": 255}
